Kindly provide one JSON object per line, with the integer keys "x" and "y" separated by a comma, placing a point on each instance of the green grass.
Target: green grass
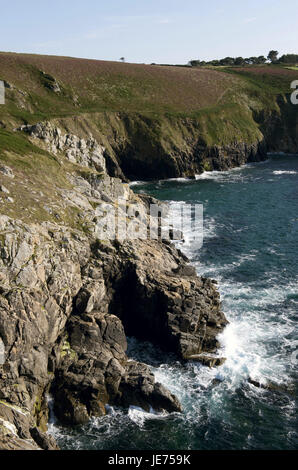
{"x": 263, "y": 86}
{"x": 19, "y": 144}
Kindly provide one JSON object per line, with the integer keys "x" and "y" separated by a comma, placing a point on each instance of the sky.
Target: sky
{"x": 146, "y": 31}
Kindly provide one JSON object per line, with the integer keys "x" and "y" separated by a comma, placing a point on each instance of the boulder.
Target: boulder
{"x": 43, "y": 440}
{"x": 138, "y": 388}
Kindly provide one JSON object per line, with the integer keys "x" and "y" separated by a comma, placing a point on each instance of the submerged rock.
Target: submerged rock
{"x": 209, "y": 361}
{"x": 273, "y": 387}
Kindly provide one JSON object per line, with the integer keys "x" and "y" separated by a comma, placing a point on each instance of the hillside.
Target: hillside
{"x": 154, "y": 121}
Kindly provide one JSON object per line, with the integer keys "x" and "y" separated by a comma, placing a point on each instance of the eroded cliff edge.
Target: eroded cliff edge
{"x": 140, "y": 147}
{"x": 68, "y": 300}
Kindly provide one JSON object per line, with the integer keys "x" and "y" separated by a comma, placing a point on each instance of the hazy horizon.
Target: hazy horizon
{"x": 164, "y": 31}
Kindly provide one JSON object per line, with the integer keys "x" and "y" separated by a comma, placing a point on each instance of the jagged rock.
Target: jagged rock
{"x": 7, "y": 85}
{"x": 55, "y": 87}
{"x": 10, "y": 441}
{"x": 69, "y": 320}
{"x": 2, "y": 352}
{"x": 142, "y": 157}
{"x": 90, "y": 296}
{"x": 71, "y": 301}
{"x": 86, "y": 153}
{"x": 44, "y": 441}
{"x": 273, "y": 387}
{"x": 88, "y": 377}
{"x": 69, "y": 408}
{"x": 138, "y": 388}
{"x": 97, "y": 372}
{"x": 50, "y": 82}
{"x": 180, "y": 313}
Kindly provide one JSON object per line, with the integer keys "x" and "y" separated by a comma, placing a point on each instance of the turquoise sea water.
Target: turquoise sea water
{"x": 250, "y": 247}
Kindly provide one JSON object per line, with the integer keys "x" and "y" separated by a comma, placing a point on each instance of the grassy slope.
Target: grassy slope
{"x": 151, "y": 106}
{"x": 113, "y": 86}
{"x": 96, "y": 86}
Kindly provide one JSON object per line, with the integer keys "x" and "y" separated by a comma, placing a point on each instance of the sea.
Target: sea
{"x": 250, "y": 246}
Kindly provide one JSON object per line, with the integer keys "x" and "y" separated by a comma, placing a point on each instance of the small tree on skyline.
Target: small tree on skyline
{"x": 272, "y": 56}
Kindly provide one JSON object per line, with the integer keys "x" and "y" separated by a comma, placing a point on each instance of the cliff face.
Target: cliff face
{"x": 68, "y": 299}
{"x": 139, "y": 147}
{"x": 148, "y": 148}
{"x": 155, "y": 122}
{"x": 280, "y": 126}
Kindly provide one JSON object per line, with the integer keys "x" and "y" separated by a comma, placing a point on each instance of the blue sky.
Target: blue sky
{"x": 163, "y": 31}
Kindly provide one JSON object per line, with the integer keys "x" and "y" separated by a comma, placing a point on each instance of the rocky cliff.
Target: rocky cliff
{"x": 138, "y": 147}
{"x": 72, "y": 132}
{"x": 68, "y": 300}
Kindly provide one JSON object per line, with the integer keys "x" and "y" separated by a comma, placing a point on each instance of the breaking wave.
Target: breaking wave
{"x": 250, "y": 247}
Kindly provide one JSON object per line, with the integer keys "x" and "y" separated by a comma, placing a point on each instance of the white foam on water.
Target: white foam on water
{"x": 136, "y": 183}
{"x": 179, "y": 180}
{"x": 285, "y": 172}
{"x": 245, "y": 342}
{"x": 221, "y": 176}
{"x": 140, "y": 416}
{"x": 228, "y": 175}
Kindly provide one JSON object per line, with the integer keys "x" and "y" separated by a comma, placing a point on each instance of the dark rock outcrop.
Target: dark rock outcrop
{"x": 70, "y": 305}
{"x": 142, "y": 162}
{"x": 68, "y": 300}
{"x": 181, "y": 313}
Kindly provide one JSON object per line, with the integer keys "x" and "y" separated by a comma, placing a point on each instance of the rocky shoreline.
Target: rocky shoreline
{"x": 68, "y": 301}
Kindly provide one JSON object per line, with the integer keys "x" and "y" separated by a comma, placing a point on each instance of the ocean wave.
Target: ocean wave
{"x": 136, "y": 183}
{"x": 285, "y": 172}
